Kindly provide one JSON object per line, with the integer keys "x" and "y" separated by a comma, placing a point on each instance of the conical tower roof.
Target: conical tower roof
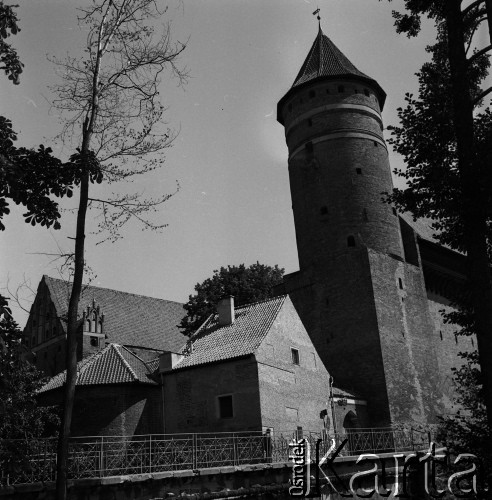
{"x": 326, "y": 61}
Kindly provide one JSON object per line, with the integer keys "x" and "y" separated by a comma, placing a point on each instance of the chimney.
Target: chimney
{"x": 225, "y": 310}
{"x": 169, "y": 360}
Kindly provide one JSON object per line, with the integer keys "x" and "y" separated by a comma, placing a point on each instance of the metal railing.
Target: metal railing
{"x": 102, "y": 456}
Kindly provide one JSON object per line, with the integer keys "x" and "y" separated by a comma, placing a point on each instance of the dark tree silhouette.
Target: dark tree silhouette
{"x": 246, "y": 284}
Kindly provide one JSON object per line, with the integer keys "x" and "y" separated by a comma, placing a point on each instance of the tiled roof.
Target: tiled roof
{"x": 421, "y": 226}
{"x": 112, "y": 365}
{"x": 325, "y": 59}
{"x": 129, "y": 319}
{"x": 218, "y": 343}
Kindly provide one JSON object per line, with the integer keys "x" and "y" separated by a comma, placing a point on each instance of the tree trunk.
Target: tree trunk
{"x": 71, "y": 354}
{"x": 473, "y": 198}
{"x": 488, "y": 7}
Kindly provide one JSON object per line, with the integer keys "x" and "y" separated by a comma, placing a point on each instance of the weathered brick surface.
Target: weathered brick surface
{"x": 119, "y": 410}
{"x": 303, "y": 388}
{"x": 365, "y": 306}
{"x": 191, "y": 403}
{"x": 448, "y": 346}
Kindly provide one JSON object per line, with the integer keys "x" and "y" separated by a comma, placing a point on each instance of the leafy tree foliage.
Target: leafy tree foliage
{"x": 465, "y": 431}
{"x": 246, "y": 284}
{"x": 447, "y": 145}
{"x": 28, "y": 177}
{"x": 426, "y": 139}
{"x": 20, "y": 416}
{"x": 9, "y": 60}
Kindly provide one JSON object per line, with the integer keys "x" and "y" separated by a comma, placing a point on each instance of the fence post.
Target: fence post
{"x": 234, "y": 449}
{"x": 195, "y": 451}
{"x": 101, "y": 458}
{"x": 150, "y": 453}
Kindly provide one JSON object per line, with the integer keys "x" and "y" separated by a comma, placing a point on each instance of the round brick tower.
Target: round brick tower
{"x": 338, "y": 159}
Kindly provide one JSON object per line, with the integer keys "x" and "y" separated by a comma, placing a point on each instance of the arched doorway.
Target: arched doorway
{"x": 350, "y": 426}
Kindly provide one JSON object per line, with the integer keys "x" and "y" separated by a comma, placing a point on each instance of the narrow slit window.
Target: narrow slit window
{"x": 400, "y": 283}
{"x": 295, "y": 356}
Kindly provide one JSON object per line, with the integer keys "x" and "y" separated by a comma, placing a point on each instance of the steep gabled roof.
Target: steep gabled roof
{"x": 325, "y": 59}
{"x": 129, "y": 319}
{"x": 219, "y": 343}
{"x": 112, "y": 365}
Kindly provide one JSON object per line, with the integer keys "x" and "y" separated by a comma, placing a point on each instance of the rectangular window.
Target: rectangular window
{"x": 295, "y": 356}
{"x": 225, "y": 407}
{"x": 95, "y": 341}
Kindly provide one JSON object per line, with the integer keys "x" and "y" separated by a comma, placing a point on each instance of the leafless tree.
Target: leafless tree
{"x": 110, "y": 106}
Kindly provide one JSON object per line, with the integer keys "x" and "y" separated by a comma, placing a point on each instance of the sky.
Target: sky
{"x": 230, "y": 159}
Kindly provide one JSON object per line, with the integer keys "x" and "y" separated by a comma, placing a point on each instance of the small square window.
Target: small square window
{"x": 359, "y": 171}
{"x": 295, "y": 356}
{"x": 225, "y": 407}
{"x": 95, "y": 341}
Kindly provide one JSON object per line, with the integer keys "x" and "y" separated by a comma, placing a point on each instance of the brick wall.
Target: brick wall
{"x": 113, "y": 410}
{"x": 191, "y": 403}
{"x": 291, "y": 395}
{"x": 448, "y": 345}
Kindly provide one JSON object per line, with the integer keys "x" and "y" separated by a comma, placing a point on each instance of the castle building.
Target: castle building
{"x": 105, "y": 316}
{"x": 364, "y": 307}
{"x": 371, "y": 283}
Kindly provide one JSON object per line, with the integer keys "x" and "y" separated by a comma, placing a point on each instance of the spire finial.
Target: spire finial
{"x": 318, "y": 17}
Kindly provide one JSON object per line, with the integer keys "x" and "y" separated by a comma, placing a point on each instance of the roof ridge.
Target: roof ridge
{"x": 117, "y": 291}
{"x": 260, "y": 301}
{"x": 138, "y": 357}
{"x": 125, "y": 362}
